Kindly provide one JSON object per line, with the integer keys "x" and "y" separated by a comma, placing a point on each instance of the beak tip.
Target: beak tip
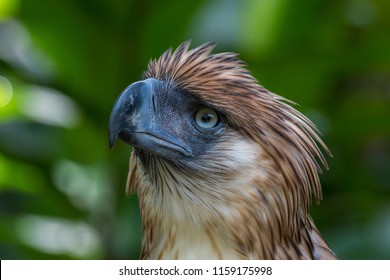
{"x": 111, "y": 140}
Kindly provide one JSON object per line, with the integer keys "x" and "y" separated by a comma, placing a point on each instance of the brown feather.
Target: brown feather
{"x": 257, "y": 205}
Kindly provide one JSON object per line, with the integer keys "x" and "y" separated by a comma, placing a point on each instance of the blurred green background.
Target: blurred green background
{"x": 64, "y": 62}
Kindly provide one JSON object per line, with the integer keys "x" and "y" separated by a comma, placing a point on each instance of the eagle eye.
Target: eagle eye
{"x": 207, "y": 118}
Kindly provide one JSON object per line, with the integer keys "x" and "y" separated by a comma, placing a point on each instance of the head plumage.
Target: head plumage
{"x": 222, "y": 81}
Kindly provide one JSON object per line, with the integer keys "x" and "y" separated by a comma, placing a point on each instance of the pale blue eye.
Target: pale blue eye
{"x": 206, "y": 118}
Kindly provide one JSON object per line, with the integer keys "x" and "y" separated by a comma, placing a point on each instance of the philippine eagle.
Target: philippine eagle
{"x": 222, "y": 167}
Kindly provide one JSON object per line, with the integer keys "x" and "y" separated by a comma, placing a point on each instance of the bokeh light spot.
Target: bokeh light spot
{"x": 8, "y": 7}
{"x": 6, "y": 91}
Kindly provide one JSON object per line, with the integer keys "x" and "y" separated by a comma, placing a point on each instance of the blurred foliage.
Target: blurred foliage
{"x": 64, "y": 62}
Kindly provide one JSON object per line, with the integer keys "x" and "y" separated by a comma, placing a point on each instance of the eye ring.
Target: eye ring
{"x": 207, "y": 118}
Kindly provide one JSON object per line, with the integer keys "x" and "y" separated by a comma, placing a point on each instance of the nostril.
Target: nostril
{"x": 154, "y": 103}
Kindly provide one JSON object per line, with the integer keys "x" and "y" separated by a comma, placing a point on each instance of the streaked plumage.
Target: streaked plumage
{"x": 243, "y": 194}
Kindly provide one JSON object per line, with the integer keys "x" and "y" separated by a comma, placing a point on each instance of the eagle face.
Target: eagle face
{"x": 223, "y": 168}
{"x": 164, "y": 120}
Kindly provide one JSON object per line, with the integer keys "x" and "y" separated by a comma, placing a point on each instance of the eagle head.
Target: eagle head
{"x": 223, "y": 168}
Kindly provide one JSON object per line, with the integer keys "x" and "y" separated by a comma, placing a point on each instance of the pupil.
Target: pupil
{"x": 206, "y": 117}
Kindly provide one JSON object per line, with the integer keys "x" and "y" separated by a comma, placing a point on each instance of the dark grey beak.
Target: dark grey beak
{"x": 134, "y": 120}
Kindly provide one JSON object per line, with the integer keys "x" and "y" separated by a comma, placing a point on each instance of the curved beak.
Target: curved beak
{"x": 134, "y": 120}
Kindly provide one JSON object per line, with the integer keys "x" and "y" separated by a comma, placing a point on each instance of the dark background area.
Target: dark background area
{"x": 63, "y": 63}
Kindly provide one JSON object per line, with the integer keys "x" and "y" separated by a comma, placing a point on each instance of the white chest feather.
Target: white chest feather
{"x": 197, "y": 245}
